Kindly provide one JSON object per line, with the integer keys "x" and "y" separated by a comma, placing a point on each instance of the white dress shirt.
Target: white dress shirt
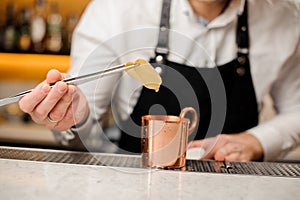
{"x": 117, "y": 31}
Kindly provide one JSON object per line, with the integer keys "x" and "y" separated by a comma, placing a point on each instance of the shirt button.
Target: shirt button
{"x": 163, "y": 28}
{"x": 242, "y": 60}
{"x": 159, "y": 70}
{"x": 159, "y": 59}
{"x": 244, "y": 28}
{"x": 241, "y": 71}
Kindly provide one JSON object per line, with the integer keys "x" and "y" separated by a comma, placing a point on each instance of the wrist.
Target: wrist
{"x": 257, "y": 149}
{"x": 83, "y": 121}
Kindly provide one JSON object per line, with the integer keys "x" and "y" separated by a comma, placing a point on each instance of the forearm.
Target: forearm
{"x": 278, "y": 135}
{"x": 88, "y": 136}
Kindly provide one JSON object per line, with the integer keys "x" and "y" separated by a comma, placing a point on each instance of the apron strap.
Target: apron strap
{"x": 162, "y": 49}
{"x": 242, "y": 33}
{"x": 242, "y": 42}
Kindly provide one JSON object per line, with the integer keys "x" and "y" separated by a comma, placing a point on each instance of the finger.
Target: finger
{"x": 226, "y": 150}
{"x": 54, "y": 96}
{"x": 53, "y": 76}
{"x": 60, "y": 109}
{"x": 31, "y": 100}
{"x": 212, "y": 145}
{"x": 195, "y": 144}
{"x": 209, "y": 154}
{"x": 67, "y": 121}
{"x": 69, "y": 116}
{"x": 28, "y": 103}
{"x": 235, "y": 156}
{"x": 206, "y": 145}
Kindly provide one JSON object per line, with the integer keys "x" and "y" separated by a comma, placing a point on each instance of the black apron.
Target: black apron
{"x": 185, "y": 86}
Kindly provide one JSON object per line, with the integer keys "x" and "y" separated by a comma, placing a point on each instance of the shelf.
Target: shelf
{"x": 30, "y": 134}
{"x": 66, "y": 7}
{"x": 33, "y": 67}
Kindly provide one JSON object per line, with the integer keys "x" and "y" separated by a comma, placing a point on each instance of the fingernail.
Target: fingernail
{"x": 71, "y": 91}
{"x": 46, "y": 89}
{"x": 62, "y": 87}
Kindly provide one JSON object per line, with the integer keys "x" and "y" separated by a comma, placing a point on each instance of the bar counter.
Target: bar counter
{"x": 27, "y": 179}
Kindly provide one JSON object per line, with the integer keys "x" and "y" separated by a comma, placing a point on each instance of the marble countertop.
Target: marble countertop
{"x": 43, "y": 180}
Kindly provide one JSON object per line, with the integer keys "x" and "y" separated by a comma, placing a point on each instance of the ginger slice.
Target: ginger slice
{"x": 145, "y": 74}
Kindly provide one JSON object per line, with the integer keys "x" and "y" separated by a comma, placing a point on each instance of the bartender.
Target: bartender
{"x": 219, "y": 56}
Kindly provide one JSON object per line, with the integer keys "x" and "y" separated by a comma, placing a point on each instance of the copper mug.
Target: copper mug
{"x": 165, "y": 138}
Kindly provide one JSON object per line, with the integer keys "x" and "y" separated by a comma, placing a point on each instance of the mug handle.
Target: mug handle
{"x": 194, "y": 120}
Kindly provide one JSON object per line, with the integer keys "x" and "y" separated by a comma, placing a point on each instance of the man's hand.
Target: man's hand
{"x": 232, "y": 147}
{"x": 57, "y": 108}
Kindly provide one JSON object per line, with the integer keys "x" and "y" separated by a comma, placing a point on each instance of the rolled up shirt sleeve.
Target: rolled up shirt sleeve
{"x": 282, "y": 133}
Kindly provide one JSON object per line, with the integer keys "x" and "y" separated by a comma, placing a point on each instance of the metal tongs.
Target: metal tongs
{"x": 73, "y": 80}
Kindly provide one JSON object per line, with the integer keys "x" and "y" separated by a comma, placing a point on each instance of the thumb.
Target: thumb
{"x": 195, "y": 144}
{"x": 201, "y": 144}
{"x": 210, "y": 146}
{"x": 53, "y": 76}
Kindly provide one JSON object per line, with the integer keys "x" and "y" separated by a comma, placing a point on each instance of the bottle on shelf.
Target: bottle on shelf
{"x": 54, "y": 41}
{"x": 24, "y": 39}
{"x": 10, "y": 33}
{"x": 38, "y": 27}
{"x": 2, "y": 29}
